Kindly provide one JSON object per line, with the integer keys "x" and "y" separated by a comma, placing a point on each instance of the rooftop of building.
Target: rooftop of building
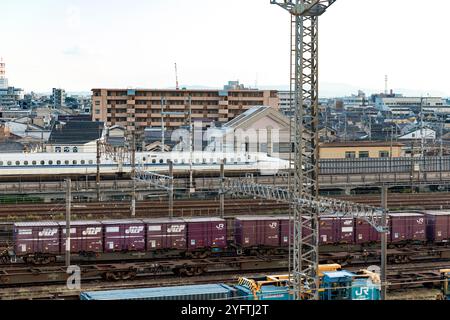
{"x": 76, "y": 132}
{"x": 360, "y": 144}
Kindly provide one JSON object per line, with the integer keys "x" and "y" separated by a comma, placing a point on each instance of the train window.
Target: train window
{"x": 204, "y": 160}
{"x": 83, "y": 162}
{"x": 161, "y": 161}
{"x": 17, "y": 163}
{"x": 211, "y": 161}
{"x": 197, "y": 161}
{"x": 1, "y": 163}
{"x": 91, "y": 161}
{"x": 58, "y": 162}
{"x": 42, "y": 162}
{"x": 34, "y": 163}
{"x": 66, "y": 162}
{"x": 9, "y": 163}
{"x": 74, "y": 162}
{"x": 153, "y": 160}
{"x": 50, "y": 162}
{"x": 183, "y": 161}
{"x": 25, "y": 163}
{"x": 175, "y": 161}
{"x": 232, "y": 159}
{"x": 144, "y": 159}
{"x": 239, "y": 159}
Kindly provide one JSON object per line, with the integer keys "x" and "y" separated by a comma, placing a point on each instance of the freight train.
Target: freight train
{"x": 44, "y": 242}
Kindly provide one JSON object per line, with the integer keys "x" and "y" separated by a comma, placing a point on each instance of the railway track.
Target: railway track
{"x": 143, "y": 209}
{"x": 206, "y": 207}
{"x": 404, "y": 201}
{"x": 411, "y": 276}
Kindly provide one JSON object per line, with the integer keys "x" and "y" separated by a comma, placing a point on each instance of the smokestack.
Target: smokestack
{"x": 385, "y": 84}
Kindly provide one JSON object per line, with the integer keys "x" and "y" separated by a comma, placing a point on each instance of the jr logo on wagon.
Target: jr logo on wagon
{"x": 92, "y": 231}
{"x": 176, "y": 228}
{"x": 48, "y": 232}
{"x": 134, "y": 230}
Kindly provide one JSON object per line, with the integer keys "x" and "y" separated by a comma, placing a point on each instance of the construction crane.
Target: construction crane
{"x": 176, "y": 77}
{"x": 304, "y": 92}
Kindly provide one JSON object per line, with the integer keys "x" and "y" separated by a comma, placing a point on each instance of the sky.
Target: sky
{"x": 83, "y": 44}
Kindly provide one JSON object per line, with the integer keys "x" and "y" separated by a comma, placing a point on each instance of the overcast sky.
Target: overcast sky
{"x": 81, "y": 44}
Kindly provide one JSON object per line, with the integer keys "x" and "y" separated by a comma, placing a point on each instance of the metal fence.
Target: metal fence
{"x": 384, "y": 165}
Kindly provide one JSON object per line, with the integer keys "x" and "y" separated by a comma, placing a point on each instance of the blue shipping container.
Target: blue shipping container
{"x": 194, "y": 292}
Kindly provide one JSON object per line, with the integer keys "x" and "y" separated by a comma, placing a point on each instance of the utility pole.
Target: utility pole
{"x": 191, "y": 174}
{"x": 162, "y": 124}
{"x": 170, "y": 189}
{"x": 383, "y": 276}
{"x": 133, "y": 175}
{"x": 97, "y": 178}
{"x": 222, "y": 189}
{"x": 422, "y": 141}
{"x": 304, "y": 79}
{"x": 68, "y": 208}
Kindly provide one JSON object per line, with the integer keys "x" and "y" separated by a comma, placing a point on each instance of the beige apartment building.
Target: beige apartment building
{"x": 136, "y": 109}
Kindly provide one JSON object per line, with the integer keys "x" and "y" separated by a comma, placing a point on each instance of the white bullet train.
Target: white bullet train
{"x": 25, "y": 164}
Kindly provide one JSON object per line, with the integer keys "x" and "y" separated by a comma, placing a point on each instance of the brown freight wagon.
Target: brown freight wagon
{"x": 124, "y": 235}
{"x": 336, "y": 229}
{"x": 85, "y": 236}
{"x": 206, "y": 233}
{"x": 438, "y": 225}
{"x": 165, "y": 233}
{"x": 36, "y": 237}
{"x": 365, "y": 233}
{"x": 407, "y": 226}
{"x": 255, "y": 231}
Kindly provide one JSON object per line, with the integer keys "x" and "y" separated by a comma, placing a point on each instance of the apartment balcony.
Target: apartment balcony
{"x": 223, "y": 103}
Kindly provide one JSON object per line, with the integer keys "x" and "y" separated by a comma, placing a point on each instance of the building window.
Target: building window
{"x": 384, "y": 154}
{"x": 350, "y": 155}
{"x": 364, "y": 154}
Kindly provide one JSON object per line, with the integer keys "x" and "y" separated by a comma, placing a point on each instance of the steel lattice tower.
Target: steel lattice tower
{"x": 304, "y": 92}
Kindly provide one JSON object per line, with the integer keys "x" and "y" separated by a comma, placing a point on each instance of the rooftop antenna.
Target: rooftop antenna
{"x": 176, "y": 77}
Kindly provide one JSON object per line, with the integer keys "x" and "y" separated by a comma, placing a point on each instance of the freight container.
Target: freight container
{"x": 124, "y": 235}
{"x": 285, "y": 232}
{"x": 406, "y": 226}
{"x": 165, "y": 233}
{"x": 365, "y": 233}
{"x": 438, "y": 225}
{"x": 206, "y": 233}
{"x": 255, "y": 231}
{"x": 85, "y": 236}
{"x": 335, "y": 229}
{"x": 36, "y": 237}
{"x": 193, "y": 292}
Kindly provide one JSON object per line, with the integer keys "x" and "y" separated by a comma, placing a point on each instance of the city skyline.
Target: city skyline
{"x": 80, "y": 45}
